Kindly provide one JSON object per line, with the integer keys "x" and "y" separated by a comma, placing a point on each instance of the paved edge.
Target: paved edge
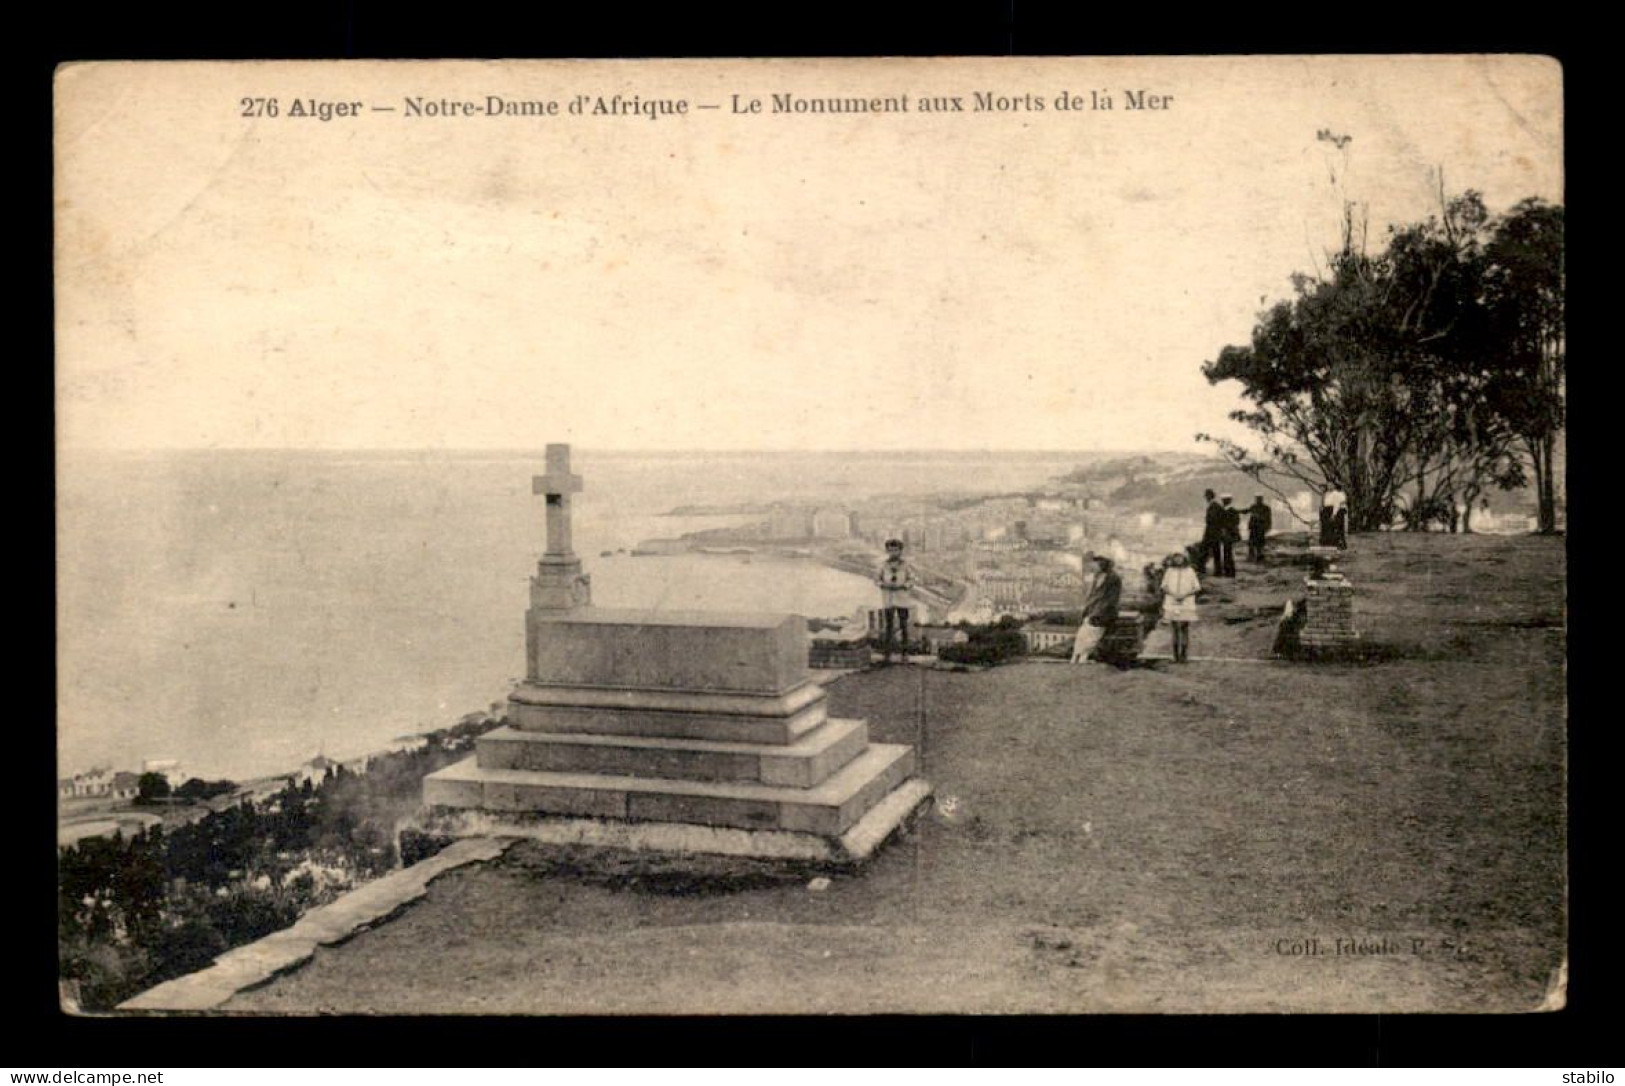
{"x": 256, "y": 962}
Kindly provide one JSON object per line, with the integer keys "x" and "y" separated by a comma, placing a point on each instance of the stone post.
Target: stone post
{"x": 1329, "y": 623}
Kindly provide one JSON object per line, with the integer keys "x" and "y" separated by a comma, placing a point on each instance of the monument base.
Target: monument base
{"x": 895, "y": 812}
{"x": 829, "y": 808}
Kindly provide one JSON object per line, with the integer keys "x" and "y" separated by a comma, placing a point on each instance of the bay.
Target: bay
{"x": 244, "y": 610}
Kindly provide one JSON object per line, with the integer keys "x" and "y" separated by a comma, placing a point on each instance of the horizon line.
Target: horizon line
{"x": 622, "y": 451}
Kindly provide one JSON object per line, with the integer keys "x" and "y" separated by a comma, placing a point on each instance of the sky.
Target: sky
{"x": 721, "y": 279}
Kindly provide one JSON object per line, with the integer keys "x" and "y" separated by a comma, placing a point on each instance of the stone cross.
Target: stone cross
{"x": 558, "y": 484}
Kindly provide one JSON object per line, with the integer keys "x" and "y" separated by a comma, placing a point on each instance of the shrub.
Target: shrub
{"x": 986, "y": 649}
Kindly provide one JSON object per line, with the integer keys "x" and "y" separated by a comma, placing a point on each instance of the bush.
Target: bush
{"x": 151, "y": 787}
{"x": 986, "y": 649}
{"x": 195, "y": 789}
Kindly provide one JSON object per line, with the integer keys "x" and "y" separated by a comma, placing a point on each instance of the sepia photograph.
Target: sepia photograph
{"x": 920, "y": 536}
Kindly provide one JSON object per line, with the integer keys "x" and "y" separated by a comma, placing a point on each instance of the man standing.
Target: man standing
{"x": 1212, "y": 532}
{"x": 1259, "y": 519}
{"x": 896, "y": 580}
{"x": 1099, "y": 610}
{"x": 1229, "y": 535}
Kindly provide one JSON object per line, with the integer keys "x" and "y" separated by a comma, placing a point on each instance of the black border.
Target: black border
{"x": 1576, "y": 1037}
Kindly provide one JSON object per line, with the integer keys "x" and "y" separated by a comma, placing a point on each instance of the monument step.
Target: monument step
{"x": 801, "y": 764}
{"x": 667, "y": 714}
{"x": 829, "y": 808}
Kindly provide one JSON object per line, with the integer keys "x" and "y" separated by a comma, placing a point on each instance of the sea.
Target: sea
{"x": 242, "y": 611}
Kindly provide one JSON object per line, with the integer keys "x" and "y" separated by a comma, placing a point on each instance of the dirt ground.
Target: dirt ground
{"x": 1166, "y": 838}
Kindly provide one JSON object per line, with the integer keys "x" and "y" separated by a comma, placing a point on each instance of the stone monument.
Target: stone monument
{"x": 1328, "y": 625}
{"x": 1321, "y": 624}
{"x": 669, "y": 730}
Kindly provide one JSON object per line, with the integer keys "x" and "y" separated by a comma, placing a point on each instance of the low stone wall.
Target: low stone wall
{"x": 838, "y": 652}
{"x": 1124, "y": 640}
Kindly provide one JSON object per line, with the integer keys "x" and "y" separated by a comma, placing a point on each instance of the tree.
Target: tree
{"x": 1325, "y": 373}
{"x": 1377, "y": 379}
{"x": 151, "y": 787}
{"x": 1524, "y": 286}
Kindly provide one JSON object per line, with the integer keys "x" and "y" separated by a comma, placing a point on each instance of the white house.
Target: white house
{"x": 1046, "y": 635}
{"x": 95, "y": 782}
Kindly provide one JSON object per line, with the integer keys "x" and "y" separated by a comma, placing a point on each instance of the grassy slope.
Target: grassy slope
{"x": 1132, "y": 840}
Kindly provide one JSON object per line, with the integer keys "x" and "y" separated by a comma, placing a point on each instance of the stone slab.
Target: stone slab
{"x": 776, "y": 718}
{"x": 723, "y": 652}
{"x": 884, "y": 818}
{"x": 856, "y": 844}
{"x": 257, "y": 962}
{"x": 802, "y": 764}
{"x": 830, "y": 808}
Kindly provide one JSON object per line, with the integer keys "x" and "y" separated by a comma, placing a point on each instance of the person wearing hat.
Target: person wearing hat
{"x": 1259, "y": 519}
{"x": 1229, "y": 536}
{"x": 1179, "y": 588}
{"x": 1212, "y": 531}
{"x": 896, "y": 581}
{"x": 1099, "y": 610}
{"x": 1334, "y": 519}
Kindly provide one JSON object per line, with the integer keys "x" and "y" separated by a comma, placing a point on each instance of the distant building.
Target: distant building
{"x": 974, "y": 610}
{"x": 1041, "y": 636}
{"x": 832, "y": 524}
{"x": 936, "y": 637}
{"x": 790, "y": 524}
{"x": 93, "y": 782}
{"x": 125, "y": 785}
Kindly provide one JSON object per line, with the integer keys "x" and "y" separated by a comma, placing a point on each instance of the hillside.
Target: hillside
{"x": 1158, "y": 839}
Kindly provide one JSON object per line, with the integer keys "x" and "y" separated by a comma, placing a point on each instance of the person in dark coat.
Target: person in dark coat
{"x": 1259, "y": 520}
{"x": 1212, "y": 532}
{"x": 1099, "y": 610}
{"x": 1229, "y": 536}
{"x": 1334, "y": 519}
{"x": 1150, "y": 604}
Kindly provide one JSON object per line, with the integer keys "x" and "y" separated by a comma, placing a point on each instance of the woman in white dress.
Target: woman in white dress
{"x": 1179, "y": 588}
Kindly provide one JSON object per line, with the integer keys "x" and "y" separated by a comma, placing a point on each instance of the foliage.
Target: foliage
{"x": 194, "y": 790}
{"x": 988, "y": 645}
{"x": 134, "y": 912}
{"x": 1524, "y": 296}
{"x": 151, "y": 786}
{"x": 1398, "y": 377}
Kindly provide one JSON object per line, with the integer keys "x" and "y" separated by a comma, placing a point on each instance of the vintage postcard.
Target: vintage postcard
{"x": 1013, "y": 535}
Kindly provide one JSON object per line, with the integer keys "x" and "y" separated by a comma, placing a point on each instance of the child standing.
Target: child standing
{"x": 896, "y": 580}
{"x": 1179, "y": 587}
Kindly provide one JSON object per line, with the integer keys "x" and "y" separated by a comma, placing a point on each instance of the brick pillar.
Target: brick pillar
{"x": 1329, "y": 623}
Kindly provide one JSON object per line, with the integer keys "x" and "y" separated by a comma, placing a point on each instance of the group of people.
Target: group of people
{"x": 1170, "y": 588}
{"x": 1221, "y": 531}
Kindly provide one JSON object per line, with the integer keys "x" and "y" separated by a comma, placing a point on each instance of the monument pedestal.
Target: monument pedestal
{"x": 668, "y": 730}
{"x": 677, "y": 731}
